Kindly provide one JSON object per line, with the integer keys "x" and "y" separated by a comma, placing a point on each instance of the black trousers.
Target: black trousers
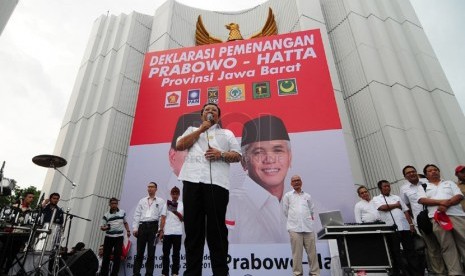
{"x": 145, "y": 237}
{"x": 406, "y": 261}
{"x": 10, "y": 246}
{"x": 112, "y": 245}
{"x": 171, "y": 241}
{"x": 204, "y": 216}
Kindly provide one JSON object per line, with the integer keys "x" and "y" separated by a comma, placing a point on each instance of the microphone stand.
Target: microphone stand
{"x": 393, "y": 220}
{"x": 70, "y": 216}
{"x": 1, "y": 178}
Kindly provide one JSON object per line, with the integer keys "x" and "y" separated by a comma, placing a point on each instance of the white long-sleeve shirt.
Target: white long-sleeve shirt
{"x": 196, "y": 167}
{"x": 366, "y": 212}
{"x": 147, "y": 210}
{"x": 298, "y": 208}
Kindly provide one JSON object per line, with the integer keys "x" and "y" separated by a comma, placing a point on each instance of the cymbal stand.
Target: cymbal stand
{"x": 50, "y": 161}
{"x": 58, "y": 258}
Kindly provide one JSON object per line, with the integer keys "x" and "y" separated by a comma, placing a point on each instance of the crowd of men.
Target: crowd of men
{"x": 261, "y": 211}
{"x": 444, "y": 239}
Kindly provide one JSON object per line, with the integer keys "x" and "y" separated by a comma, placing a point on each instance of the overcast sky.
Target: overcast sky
{"x": 42, "y": 46}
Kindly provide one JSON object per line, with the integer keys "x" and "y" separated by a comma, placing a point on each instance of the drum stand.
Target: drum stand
{"x": 58, "y": 264}
{"x": 55, "y": 162}
{"x": 27, "y": 246}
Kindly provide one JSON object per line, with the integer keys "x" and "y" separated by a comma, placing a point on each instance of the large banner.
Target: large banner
{"x": 285, "y": 76}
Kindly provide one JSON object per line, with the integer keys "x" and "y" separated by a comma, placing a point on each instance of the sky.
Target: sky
{"x": 43, "y": 43}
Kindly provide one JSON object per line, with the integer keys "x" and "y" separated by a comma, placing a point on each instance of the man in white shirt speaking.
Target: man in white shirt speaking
{"x": 205, "y": 176}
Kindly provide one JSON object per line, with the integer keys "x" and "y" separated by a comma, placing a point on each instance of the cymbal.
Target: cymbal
{"x": 49, "y": 161}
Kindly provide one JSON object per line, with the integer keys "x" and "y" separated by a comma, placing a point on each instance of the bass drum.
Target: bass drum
{"x": 48, "y": 241}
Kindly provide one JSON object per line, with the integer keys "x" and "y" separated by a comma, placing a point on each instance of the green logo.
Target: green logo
{"x": 287, "y": 87}
{"x": 261, "y": 90}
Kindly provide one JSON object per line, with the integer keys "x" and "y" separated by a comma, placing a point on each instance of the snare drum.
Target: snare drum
{"x": 54, "y": 238}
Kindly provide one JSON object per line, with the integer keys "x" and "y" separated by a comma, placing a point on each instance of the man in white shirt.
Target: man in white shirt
{"x": 176, "y": 157}
{"x": 145, "y": 227}
{"x": 365, "y": 210}
{"x": 409, "y": 193}
{"x": 444, "y": 196}
{"x": 255, "y": 210}
{"x": 393, "y": 211}
{"x": 205, "y": 176}
{"x": 298, "y": 209}
{"x": 172, "y": 232}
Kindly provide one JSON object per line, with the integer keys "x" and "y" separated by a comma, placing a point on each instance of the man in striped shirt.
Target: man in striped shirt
{"x": 113, "y": 223}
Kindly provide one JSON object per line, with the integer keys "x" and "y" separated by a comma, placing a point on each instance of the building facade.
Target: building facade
{"x": 395, "y": 103}
{"x": 7, "y": 9}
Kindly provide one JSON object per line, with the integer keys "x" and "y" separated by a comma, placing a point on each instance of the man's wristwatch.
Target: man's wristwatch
{"x": 222, "y": 155}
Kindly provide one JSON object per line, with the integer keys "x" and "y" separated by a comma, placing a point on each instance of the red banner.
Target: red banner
{"x": 284, "y": 75}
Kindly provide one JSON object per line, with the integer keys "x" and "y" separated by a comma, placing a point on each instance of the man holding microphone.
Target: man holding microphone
{"x": 205, "y": 176}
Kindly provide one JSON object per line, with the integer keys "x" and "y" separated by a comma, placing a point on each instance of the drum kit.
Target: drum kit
{"x": 39, "y": 237}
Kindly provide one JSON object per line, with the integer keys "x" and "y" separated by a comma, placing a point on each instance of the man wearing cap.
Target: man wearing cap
{"x": 460, "y": 173}
{"x": 409, "y": 193}
{"x": 442, "y": 198}
{"x": 255, "y": 214}
{"x": 205, "y": 176}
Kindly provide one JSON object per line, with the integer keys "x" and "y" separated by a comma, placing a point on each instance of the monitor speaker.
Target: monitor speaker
{"x": 83, "y": 263}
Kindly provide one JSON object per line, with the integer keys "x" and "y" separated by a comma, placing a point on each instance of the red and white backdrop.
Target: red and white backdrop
{"x": 284, "y": 75}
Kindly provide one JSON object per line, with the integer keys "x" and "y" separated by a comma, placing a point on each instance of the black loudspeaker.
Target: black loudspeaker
{"x": 367, "y": 251}
{"x": 83, "y": 263}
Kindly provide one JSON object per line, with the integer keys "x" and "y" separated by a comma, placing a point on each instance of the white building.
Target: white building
{"x": 395, "y": 103}
{"x": 6, "y": 9}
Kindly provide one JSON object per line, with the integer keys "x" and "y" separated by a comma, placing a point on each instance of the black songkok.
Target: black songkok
{"x": 264, "y": 128}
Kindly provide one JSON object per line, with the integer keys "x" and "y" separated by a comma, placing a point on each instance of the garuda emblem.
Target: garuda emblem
{"x": 203, "y": 37}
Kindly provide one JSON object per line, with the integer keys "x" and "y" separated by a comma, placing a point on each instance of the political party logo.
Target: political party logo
{"x": 173, "y": 99}
{"x": 212, "y": 95}
{"x": 287, "y": 87}
{"x": 261, "y": 90}
{"x": 193, "y": 97}
{"x": 235, "y": 93}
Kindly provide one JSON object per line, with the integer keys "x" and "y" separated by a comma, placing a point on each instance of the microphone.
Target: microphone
{"x": 39, "y": 203}
{"x": 210, "y": 118}
{"x": 212, "y": 121}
